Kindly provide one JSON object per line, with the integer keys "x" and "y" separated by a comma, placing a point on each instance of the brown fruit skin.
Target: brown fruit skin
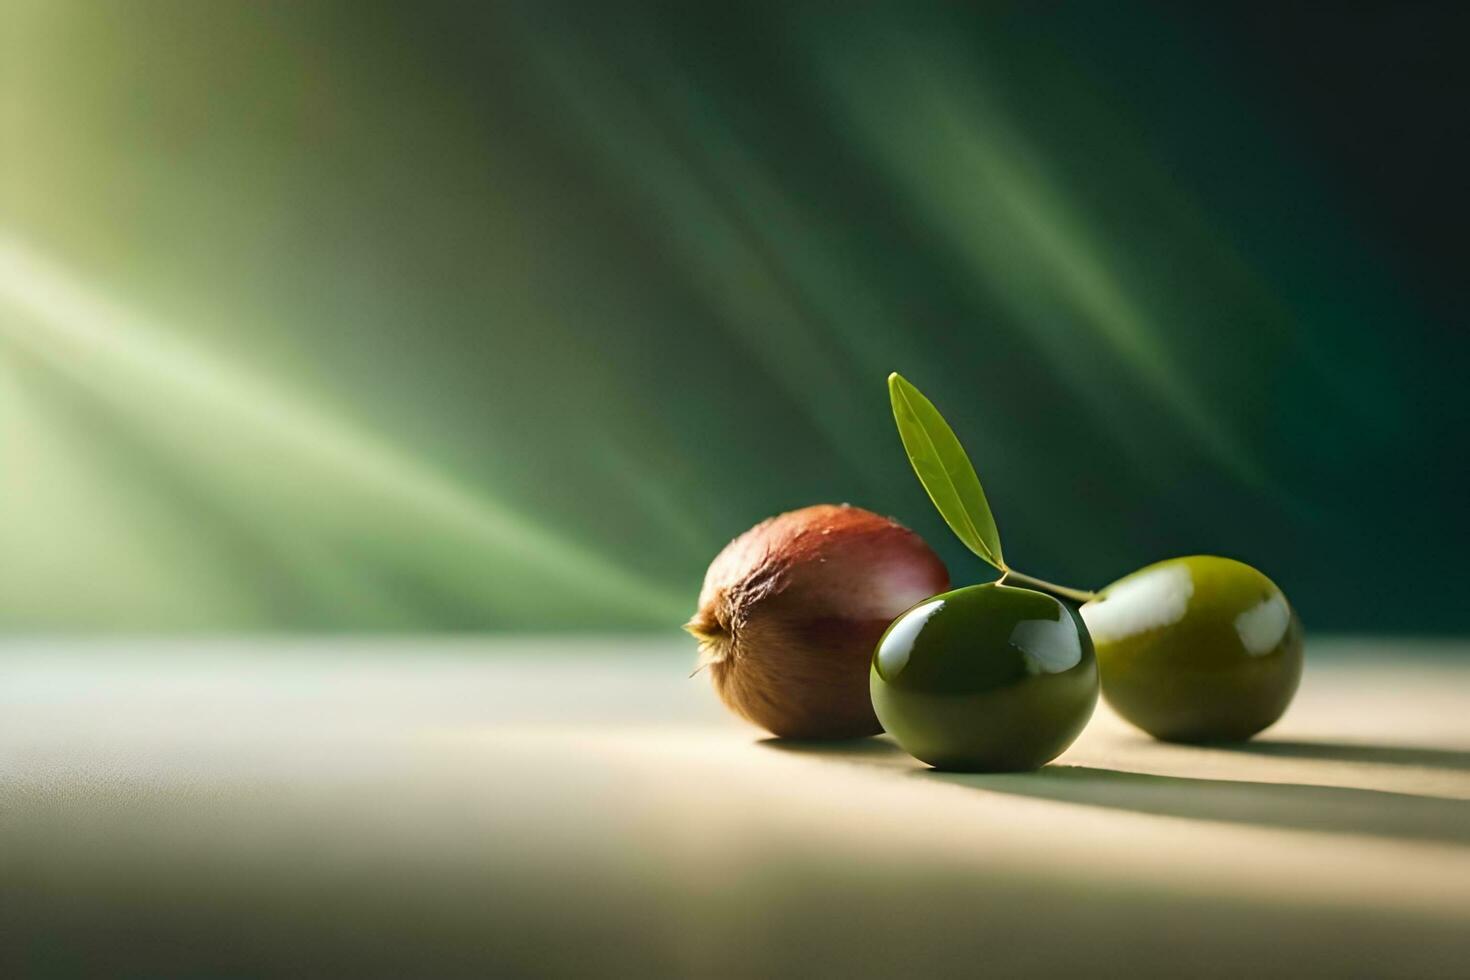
{"x": 791, "y": 610}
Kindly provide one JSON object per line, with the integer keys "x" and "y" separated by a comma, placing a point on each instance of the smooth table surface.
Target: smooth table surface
{"x": 509, "y": 808}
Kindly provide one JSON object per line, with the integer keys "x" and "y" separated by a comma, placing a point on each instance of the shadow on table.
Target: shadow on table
{"x": 1394, "y": 755}
{"x": 874, "y": 747}
{"x": 1290, "y": 806}
{"x": 876, "y": 752}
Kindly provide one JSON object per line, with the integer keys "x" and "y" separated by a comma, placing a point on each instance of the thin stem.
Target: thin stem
{"x": 1012, "y": 577}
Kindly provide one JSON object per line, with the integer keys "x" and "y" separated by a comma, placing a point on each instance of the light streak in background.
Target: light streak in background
{"x": 955, "y": 154}
{"x": 723, "y": 255}
{"x": 77, "y": 326}
{"x": 63, "y": 522}
{"x": 779, "y": 275}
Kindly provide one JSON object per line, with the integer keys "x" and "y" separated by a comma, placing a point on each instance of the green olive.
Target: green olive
{"x": 987, "y": 678}
{"x": 1196, "y": 649}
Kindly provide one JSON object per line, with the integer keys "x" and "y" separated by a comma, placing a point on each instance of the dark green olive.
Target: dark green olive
{"x": 1196, "y": 649}
{"x": 987, "y": 678}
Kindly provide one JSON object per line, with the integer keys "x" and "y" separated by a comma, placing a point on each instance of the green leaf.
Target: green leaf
{"x": 945, "y": 471}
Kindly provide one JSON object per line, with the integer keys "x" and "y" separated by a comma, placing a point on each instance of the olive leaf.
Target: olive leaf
{"x": 942, "y": 467}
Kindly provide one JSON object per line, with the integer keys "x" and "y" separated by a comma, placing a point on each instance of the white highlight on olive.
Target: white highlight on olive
{"x": 1050, "y": 646}
{"x": 1262, "y": 626}
{"x": 1142, "y": 602}
{"x": 893, "y": 652}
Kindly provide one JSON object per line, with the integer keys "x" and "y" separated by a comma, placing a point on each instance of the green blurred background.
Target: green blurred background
{"x": 351, "y": 316}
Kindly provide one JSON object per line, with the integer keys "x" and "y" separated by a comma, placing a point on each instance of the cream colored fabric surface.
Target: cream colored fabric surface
{"x": 557, "y": 808}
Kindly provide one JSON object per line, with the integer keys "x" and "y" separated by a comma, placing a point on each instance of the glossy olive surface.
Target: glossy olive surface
{"x": 1196, "y": 649}
{"x": 987, "y": 678}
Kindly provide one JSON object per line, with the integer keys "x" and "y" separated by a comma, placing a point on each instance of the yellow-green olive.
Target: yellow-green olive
{"x": 1196, "y": 649}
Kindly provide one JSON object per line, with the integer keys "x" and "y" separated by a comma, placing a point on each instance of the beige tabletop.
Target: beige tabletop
{"x": 510, "y": 808}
